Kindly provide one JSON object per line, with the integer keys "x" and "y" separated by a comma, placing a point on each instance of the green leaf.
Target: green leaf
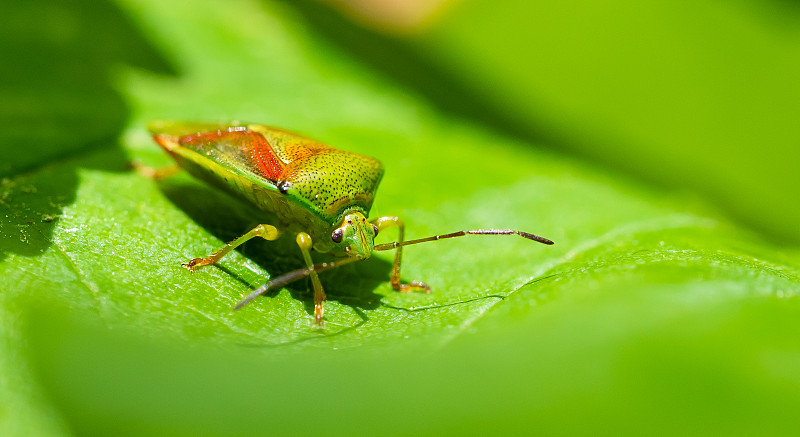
{"x": 651, "y": 310}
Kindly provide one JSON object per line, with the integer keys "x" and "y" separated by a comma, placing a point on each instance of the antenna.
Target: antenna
{"x": 529, "y": 236}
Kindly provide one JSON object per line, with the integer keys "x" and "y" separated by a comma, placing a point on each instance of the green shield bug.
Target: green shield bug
{"x": 320, "y": 194}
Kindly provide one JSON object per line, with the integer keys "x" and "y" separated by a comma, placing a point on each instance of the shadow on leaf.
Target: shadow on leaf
{"x": 59, "y": 103}
{"x": 227, "y": 218}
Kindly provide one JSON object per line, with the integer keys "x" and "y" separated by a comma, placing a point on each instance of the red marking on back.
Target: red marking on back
{"x": 250, "y": 144}
{"x": 265, "y": 157}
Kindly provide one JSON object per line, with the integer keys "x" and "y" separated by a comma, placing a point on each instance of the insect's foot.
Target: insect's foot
{"x": 195, "y": 264}
{"x": 318, "y": 316}
{"x": 415, "y": 287}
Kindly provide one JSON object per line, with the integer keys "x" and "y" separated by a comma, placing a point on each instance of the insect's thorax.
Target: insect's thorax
{"x": 327, "y": 181}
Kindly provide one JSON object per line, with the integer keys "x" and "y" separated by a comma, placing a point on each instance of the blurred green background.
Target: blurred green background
{"x": 652, "y": 141}
{"x": 699, "y": 97}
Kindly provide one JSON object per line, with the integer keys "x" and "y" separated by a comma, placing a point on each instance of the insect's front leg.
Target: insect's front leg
{"x": 267, "y": 232}
{"x": 387, "y": 222}
{"x": 305, "y": 244}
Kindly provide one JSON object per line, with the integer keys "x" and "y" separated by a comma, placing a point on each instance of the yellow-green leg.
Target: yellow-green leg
{"x": 305, "y": 244}
{"x": 155, "y": 173}
{"x": 266, "y": 232}
{"x": 387, "y": 222}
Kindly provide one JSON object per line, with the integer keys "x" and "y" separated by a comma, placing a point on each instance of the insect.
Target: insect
{"x": 320, "y": 194}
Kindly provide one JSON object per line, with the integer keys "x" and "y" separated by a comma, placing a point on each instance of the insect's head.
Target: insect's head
{"x": 354, "y": 236}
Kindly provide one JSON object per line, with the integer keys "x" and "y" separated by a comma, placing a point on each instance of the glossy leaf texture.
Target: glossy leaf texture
{"x": 651, "y": 312}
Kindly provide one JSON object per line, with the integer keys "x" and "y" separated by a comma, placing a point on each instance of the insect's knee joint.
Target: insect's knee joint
{"x": 304, "y": 241}
{"x": 267, "y": 232}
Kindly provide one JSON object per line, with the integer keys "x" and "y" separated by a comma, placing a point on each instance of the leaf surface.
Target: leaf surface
{"x": 646, "y": 298}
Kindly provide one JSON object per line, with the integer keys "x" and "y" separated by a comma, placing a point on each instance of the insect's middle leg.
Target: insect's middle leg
{"x": 305, "y": 244}
{"x": 267, "y": 232}
{"x": 387, "y": 222}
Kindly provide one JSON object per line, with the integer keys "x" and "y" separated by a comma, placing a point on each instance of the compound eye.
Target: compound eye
{"x": 337, "y": 235}
{"x": 375, "y": 228}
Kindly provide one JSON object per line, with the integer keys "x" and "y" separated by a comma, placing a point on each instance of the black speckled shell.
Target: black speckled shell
{"x": 334, "y": 181}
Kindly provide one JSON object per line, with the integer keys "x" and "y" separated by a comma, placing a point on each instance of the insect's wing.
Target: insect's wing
{"x": 232, "y": 147}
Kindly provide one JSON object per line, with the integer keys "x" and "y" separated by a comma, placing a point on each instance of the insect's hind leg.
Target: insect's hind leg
{"x": 153, "y": 173}
{"x": 387, "y": 222}
{"x": 267, "y": 232}
{"x": 305, "y": 244}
